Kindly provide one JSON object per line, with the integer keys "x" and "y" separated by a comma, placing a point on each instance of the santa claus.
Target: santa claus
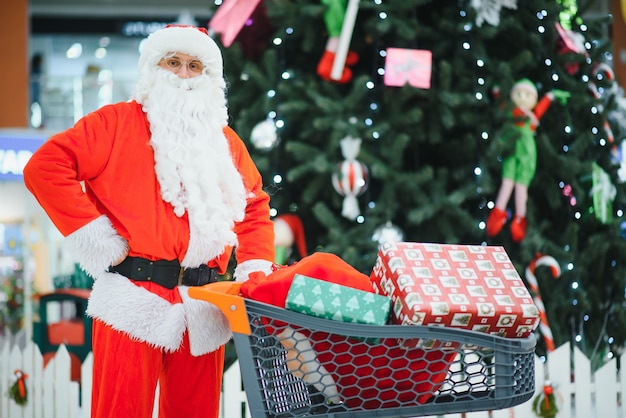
{"x": 152, "y": 196}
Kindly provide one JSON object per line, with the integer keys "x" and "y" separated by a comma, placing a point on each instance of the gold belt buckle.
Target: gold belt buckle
{"x": 180, "y": 276}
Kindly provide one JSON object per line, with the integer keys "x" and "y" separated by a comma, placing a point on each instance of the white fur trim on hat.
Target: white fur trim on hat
{"x": 188, "y": 40}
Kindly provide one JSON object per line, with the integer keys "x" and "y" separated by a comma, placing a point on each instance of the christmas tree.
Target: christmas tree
{"x": 425, "y": 89}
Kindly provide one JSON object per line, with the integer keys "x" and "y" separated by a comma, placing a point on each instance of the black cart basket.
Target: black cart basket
{"x": 294, "y": 365}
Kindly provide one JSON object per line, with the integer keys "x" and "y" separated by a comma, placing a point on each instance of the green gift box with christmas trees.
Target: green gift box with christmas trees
{"x": 333, "y": 301}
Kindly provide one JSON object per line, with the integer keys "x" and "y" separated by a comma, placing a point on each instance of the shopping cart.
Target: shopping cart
{"x": 295, "y": 365}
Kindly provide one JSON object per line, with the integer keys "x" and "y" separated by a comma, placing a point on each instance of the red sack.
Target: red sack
{"x": 273, "y": 288}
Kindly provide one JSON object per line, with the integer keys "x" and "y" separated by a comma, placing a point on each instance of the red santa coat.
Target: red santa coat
{"x": 109, "y": 152}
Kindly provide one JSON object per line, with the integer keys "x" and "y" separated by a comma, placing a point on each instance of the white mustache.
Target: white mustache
{"x": 186, "y": 83}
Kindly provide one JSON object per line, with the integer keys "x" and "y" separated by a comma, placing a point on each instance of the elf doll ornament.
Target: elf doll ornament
{"x": 518, "y": 169}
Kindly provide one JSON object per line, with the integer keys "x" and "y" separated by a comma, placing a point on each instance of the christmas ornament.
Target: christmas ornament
{"x": 518, "y": 169}
{"x": 555, "y": 269}
{"x": 351, "y": 177}
{"x": 231, "y": 17}
{"x": 254, "y": 36}
{"x": 603, "y": 193}
{"x": 264, "y": 135}
{"x": 388, "y": 233}
{"x": 337, "y": 58}
{"x": 410, "y": 66}
{"x": 18, "y": 392}
{"x": 288, "y": 232}
{"x": 489, "y": 10}
{"x": 601, "y": 72}
{"x": 544, "y": 404}
{"x": 569, "y": 9}
{"x": 570, "y": 42}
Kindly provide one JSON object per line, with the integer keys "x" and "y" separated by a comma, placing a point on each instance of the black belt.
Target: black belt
{"x": 168, "y": 274}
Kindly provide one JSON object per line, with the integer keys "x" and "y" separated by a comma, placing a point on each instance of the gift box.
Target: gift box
{"x": 333, "y": 301}
{"x": 461, "y": 286}
{"x": 408, "y": 66}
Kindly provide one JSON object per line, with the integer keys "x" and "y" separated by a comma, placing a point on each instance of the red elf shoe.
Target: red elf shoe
{"x": 518, "y": 228}
{"x": 495, "y": 222}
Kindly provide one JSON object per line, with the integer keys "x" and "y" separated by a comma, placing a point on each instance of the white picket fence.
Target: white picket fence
{"x": 52, "y": 394}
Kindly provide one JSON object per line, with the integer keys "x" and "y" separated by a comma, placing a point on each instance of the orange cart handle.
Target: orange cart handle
{"x": 225, "y": 295}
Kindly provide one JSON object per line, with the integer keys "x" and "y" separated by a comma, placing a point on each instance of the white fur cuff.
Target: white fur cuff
{"x": 243, "y": 270}
{"x": 207, "y": 326}
{"x": 96, "y": 245}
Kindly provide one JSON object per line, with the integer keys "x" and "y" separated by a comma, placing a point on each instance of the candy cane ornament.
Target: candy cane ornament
{"x": 351, "y": 177}
{"x": 544, "y": 326}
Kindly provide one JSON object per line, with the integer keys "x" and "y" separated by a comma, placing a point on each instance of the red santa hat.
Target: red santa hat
{"x": 190, "y": 40}
{"x": 297, "y": 229}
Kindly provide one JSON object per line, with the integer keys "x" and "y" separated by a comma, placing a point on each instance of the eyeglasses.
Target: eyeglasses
{"x": 174, "y": 63}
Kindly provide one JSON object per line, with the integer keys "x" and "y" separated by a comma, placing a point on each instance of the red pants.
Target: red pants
{"x": 126, "y": 372}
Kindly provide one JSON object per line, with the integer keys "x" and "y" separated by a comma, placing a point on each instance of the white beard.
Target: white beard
{"x": 193, "y": 163}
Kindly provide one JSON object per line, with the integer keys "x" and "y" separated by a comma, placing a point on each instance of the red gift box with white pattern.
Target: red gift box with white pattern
{"x": 461, "y": 286}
